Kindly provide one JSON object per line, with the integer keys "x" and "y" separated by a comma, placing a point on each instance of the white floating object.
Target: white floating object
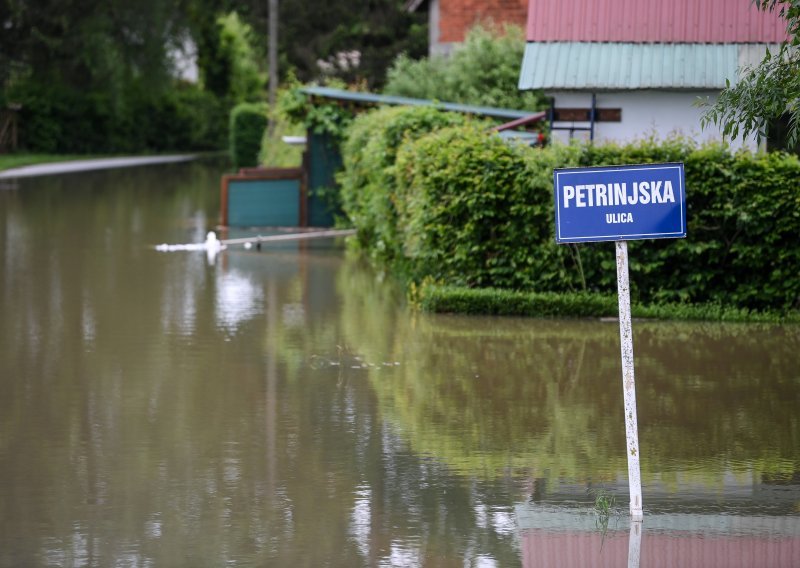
{"x": 212, "y": 245}
{"x": 248, "y": 245}
{"x": 212, "y": 242}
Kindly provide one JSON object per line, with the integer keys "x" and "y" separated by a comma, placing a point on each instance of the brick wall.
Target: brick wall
{"x": 456, "y": 17}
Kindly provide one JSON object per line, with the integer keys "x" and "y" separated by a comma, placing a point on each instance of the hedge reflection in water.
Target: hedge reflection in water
{"x": 159, "y": 410}
{"x": 535, "y": 396}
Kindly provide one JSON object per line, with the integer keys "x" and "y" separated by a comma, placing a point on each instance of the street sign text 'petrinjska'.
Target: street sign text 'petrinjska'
{"x": 617, "y": 203}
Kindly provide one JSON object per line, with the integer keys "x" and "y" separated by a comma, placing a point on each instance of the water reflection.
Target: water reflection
{"x": 539, "y": 400}
{"x": 238, "y": 298}
{"x": 284, "y": 407}
{"x": 543, "y": 396}
{"x": 569, "y": 539}
{"x": 635, "y": 544}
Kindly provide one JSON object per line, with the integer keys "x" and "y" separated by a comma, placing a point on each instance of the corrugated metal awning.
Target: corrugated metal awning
{"x": 607, "y": 66}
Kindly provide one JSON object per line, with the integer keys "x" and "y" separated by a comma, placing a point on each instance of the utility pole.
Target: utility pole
{"x": 272, "y": 57}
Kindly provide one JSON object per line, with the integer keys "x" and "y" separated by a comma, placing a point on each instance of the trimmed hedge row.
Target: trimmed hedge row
{"x": 473, "y": 211}
{"x": 462, "y": 207}
{"x": 496, "y": 302}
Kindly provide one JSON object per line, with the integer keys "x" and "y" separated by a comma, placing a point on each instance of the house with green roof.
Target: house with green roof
{"x": 628, "y": 69}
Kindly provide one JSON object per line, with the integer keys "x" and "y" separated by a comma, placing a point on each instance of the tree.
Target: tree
{"x": 768, "y": 91}
{"x": 89, "y": 44}
{"x": 87, "y": 72}
{"x": 245, "y": 79}
{"x": 317, "y": 33}
{"x": 482, "y": 71}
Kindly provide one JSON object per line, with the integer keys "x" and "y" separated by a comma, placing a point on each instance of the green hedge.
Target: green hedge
{"x": 57, "y": 119}
{"x": 465, "y": 208}
{"x": 743, "y": 215}
{"x": 368, "y": 179}
{"x": 248, "y": 122}
{"x": 474, "y": 211}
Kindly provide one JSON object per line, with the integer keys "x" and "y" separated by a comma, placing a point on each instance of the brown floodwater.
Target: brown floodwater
{"x": 285, "y": 407}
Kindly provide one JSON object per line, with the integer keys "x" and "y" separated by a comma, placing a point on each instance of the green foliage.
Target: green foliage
{"x": 324, "y": 118}
{"x": 742, "y": 211}
{"x": 713, "y": 312}
{"x": 604, "y": 506}
{"x": 482, "y": 71}
{"x": 767, "y": 91}
{"x": 185, "y": 118}
{"x": 247, "y": 125}
{"x": 245, "y": 78}
{"x": 100, "y": 76}
{"x": 742, "y": 216}
{"x": 58, "y": 119}
{"x": 274, "y": 151}
{"x": 90, "y": 45}
{"x": 475, "y": 211}
{"x": 604, "y": 502}
{"x": 461, "y": 206}
{"x": 368, "y": 178}
{"x": 435, "y": 298}
{"x": 497, "y": 302}
{"x": 315, "y": 34}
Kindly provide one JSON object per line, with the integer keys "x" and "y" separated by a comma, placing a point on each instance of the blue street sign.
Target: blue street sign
{"x": 616, "y": 203}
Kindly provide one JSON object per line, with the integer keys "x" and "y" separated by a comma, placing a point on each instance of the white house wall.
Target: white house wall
{"x": 644, "y": 114}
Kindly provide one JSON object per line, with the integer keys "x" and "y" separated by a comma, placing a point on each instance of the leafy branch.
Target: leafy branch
{"x": 766, "y": 91}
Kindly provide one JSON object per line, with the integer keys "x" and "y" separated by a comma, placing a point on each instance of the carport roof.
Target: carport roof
{"x": 373, "y": 99}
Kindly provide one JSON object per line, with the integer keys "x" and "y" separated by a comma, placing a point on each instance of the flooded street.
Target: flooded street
{"x": 284, "y": 407}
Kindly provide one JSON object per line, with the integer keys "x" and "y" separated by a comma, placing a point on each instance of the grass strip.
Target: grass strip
{"x": 9, "y": 161}
{"x": 497, "y": 302}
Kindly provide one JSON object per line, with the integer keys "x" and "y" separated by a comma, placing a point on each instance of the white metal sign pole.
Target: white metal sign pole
{"x": 628, "y": 383}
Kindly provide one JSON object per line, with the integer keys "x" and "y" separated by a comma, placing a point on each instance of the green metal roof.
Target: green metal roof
{"x": 604, "y": 66}
{"x": 369, "y": 98}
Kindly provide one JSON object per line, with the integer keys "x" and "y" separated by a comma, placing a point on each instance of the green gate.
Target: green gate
{"x": 264, "y": 198}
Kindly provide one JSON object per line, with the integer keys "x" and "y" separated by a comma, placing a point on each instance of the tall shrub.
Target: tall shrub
{"x": 243, "y": 64}
{"x": 248, "y": 122}
{"x": 484, "y": 70}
